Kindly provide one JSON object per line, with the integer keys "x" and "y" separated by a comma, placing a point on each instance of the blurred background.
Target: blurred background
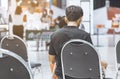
{"x": 35, "y": 20}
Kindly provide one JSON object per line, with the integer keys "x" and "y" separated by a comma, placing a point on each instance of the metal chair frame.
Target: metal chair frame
{"x": 12, "y": 54}
{"x": 32, "y": 65}
{"x": 117, "y": 62}
{"x": 79, "y": 40}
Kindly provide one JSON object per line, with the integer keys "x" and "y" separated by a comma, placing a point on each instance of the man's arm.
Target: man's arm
{"x": 52, "y": 59}
{"x": 52, "y": 62}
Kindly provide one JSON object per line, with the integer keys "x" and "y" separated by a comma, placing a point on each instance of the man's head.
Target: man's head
{"x": 74, "y": 13}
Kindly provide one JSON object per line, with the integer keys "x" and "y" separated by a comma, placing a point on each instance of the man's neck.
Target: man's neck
{"x": 72, "y": 24}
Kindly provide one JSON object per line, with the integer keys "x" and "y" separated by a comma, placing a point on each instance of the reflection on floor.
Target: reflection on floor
{"x": 106, "y": 50}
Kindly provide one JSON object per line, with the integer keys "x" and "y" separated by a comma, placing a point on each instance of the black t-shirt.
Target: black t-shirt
{"x": 60, "y": 37}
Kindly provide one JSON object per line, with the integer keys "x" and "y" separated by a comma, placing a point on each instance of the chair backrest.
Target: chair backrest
{"x": 16, "y": 45}
{"x": 12, "y": 66}
{"x": 79, "y": 59}
{"x": 117, "y": 58}
{"x": 118, "y": 51}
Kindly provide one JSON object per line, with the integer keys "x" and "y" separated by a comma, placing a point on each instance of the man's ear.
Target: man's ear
{"x": 79, "y": 20}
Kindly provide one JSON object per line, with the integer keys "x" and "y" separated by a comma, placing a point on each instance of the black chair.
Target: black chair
{"x": 18, "y": 46}
{"x": 117, "y": 58}
{"x": 80, "y": 60}
{"x": 118, "y": 51}
{"x": 12, "y": 66}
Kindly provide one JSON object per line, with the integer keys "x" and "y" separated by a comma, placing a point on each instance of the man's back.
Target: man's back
{"x": 62, "y": 36}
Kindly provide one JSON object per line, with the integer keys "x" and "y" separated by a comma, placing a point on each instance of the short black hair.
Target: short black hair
{"x": 62, "y": 23}
{"x": 73, "y": 12}
{"x": 18, "y": 10}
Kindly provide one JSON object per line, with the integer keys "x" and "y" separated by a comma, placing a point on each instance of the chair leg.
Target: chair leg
{"x": 35, "y": 67}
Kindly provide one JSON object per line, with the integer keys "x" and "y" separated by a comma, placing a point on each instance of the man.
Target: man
{"x": 74, "y": 16}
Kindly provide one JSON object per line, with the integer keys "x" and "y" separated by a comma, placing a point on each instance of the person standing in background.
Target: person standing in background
{"x": 18, "y": 28}
{"x": 82, "y": 26}
{"x": 44, "y": 17}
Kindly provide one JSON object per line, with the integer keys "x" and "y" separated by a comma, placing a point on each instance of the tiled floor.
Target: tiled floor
{"x": 40, "y": 57}
{"x": 106, "y": 51}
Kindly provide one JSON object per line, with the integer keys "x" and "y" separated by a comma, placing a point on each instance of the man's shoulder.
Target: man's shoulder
{"x": 85, "y": 32}
{"x": 58, "y": 32}
{"x": 82, "y": 32}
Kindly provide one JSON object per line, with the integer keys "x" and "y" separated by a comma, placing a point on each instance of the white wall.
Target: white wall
{"x": 4, "y": 3}
{"x": 3, "y": 9}
{"x": 13, "y": 6}
{"x": 88, "y": 13}
{"x": 72, "y": 2}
